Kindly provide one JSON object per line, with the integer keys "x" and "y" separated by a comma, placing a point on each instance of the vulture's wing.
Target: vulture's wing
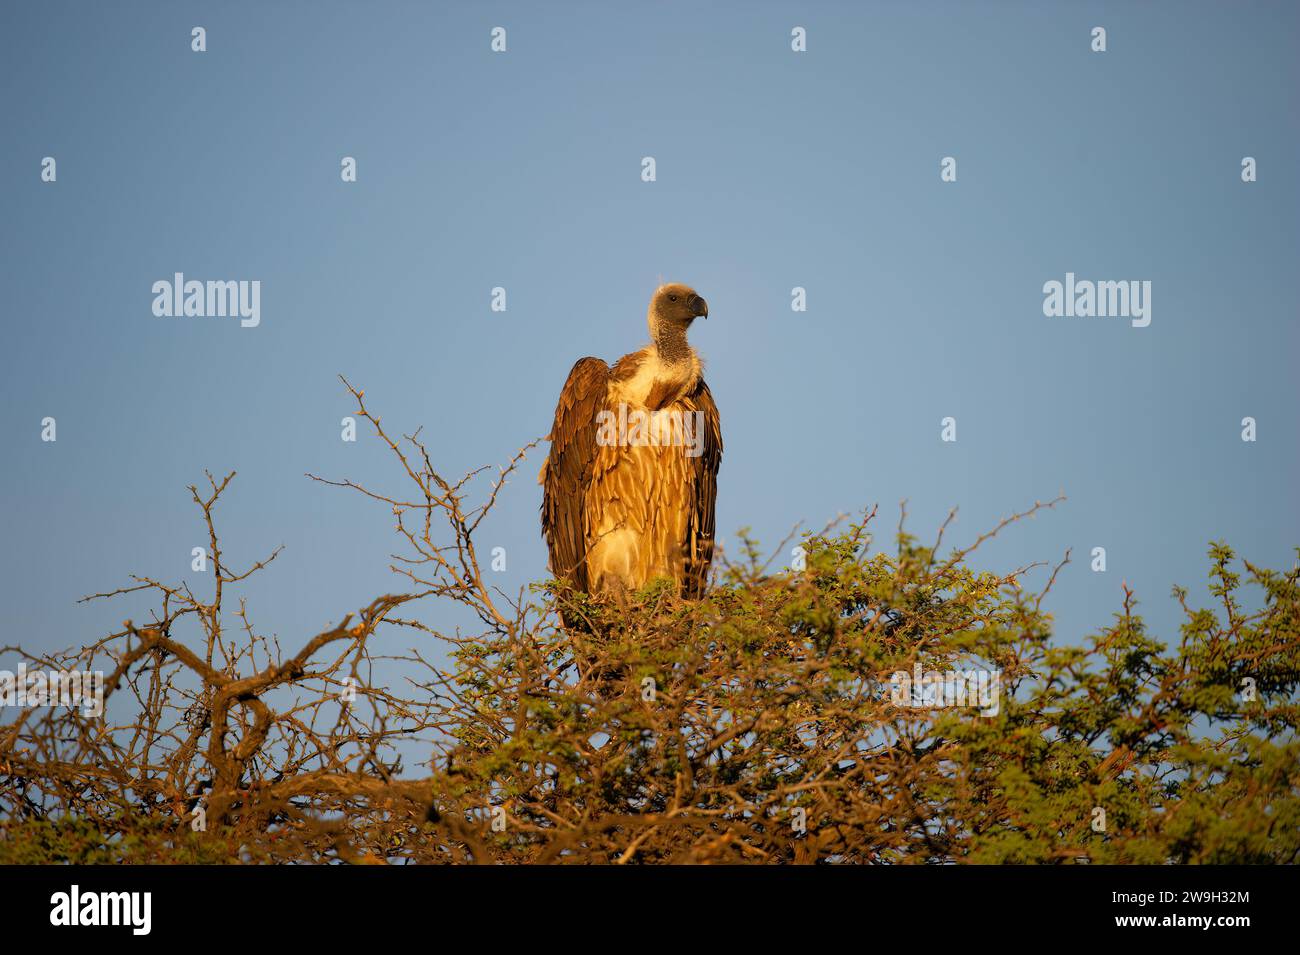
{"x": 567, "y": 472}
{"x": 700, "y": 522}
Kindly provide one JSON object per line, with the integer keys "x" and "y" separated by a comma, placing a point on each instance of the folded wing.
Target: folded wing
{"x": 566, "y": 476}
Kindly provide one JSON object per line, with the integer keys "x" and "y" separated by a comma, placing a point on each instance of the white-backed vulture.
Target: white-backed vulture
{"x": 631, "y": 479}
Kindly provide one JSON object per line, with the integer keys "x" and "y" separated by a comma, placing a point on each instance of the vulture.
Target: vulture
{"x": 632, "y": 475}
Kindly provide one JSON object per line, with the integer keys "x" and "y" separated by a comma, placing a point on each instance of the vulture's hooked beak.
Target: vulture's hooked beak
{"x": 701, "y": 307}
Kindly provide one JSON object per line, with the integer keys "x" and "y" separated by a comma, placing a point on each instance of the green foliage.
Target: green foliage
{"x": 759, "y": 724}
{"x": 139, "y": 840}
{"x": 771, "y": 695}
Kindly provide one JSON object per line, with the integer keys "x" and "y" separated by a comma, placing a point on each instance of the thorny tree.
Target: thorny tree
{"x": 756, "y": 725}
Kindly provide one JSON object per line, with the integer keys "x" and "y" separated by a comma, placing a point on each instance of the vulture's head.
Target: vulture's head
{"x": 675, "y": 307}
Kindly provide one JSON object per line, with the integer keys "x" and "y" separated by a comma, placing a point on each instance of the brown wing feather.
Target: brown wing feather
{"x": 567, "y": 472}
{"x": 700, "y": 528}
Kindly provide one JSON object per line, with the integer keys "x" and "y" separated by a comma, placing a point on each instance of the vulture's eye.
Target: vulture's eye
{"x": 672, "y": 298}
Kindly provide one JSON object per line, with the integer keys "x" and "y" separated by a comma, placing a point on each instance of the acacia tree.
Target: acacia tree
{"x": 762, "y": 723}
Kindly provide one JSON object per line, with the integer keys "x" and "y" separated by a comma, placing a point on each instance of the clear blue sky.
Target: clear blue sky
{"x": 522, "y": 170}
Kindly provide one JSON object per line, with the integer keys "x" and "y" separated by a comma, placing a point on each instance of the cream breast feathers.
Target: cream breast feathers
{"x": 650, "y": 382}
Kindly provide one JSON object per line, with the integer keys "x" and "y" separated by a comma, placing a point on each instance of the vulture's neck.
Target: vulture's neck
{"x": 671, "y": 345}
